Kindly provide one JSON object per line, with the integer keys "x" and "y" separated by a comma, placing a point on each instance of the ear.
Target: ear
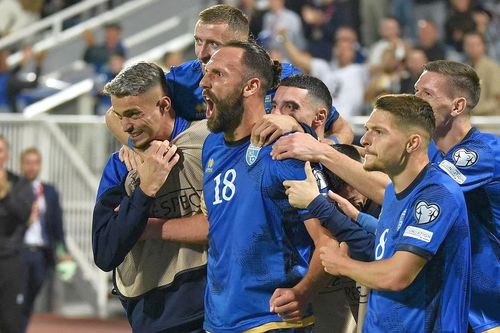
{"x": 459, "y": 106}
{"x": 165, "y": 104}
{"x": 414, "y": 143}
{"x": 251, "y": 87}
{"x": 320, "y": 118}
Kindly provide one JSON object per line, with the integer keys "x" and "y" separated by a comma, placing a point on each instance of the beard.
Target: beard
{"x": 228, "y": 114}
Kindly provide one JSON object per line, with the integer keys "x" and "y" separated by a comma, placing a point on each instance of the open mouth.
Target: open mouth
{"x": 210, "y": 105}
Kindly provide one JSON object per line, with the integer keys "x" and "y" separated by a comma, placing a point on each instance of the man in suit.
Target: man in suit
{"x": 44, "y": 244}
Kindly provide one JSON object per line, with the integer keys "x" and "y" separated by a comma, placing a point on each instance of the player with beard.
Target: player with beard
{"x": 257, "y": 241}
{"x": 217, "y": 25}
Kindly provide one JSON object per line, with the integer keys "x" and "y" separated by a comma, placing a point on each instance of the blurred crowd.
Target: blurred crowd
{"x": 360, "y": 48}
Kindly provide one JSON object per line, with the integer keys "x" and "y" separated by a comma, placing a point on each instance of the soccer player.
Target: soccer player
{"x": 307, "y": 99}
{"x": 420, "y": 278}
{"x": 257, "y": 241}
{"x": 470, "y": 157}
{"x": 217, "y": 25}
{"x": 160, "y": 284}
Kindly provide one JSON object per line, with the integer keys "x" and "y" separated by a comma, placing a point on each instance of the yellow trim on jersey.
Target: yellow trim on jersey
{"x": 493, "y": 330}
{"x": 308, "y": 321}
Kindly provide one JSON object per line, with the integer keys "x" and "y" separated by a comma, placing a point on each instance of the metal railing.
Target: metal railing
{"x": 63, "y": 142}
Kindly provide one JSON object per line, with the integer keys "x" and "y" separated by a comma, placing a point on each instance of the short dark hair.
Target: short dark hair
{"x": 409, "y": 111}
{"x": 136, "y": 80}
{"x": 463, "y": 79}
{"x": 232, "y": 16}
{"x": 258, "y": 64}
{"x": 314, "y": 86}
{"x": 335, "y": 182}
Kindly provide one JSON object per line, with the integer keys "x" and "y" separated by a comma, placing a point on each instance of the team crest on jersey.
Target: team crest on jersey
{"x": 210, "y": 165}
{"x": 252, "y": 154}
{"x": 464, "y": 158}
{"x": 426, "y": 213}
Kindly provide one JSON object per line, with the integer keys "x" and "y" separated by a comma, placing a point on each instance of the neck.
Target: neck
{"x": 413, "y": 166}
{"x": 253, "y": 111}
{"x": 446, "y": 138}
{"x": 167, "y": 127}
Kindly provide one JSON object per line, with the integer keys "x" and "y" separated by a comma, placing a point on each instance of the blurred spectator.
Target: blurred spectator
{"x": 346, "y": 33}
{"x": 390, "y": 33}
{"x": 343, "y": 77}
{"x": 489, "y": 74}
{"x": 321, "y": 20}
{"x": 432, "y": 10}
{"x": 171, "y": 58}
{"x": 98, "y": 54}
{"x": 414, "y": 63}
{"x": 254, "y": 15}
{"x": 458, "y": 23}
{"x": 488, "y": 24}
{"x": 16, "y": 200}
{"x": 372, "y": 13}
{"x": 346, "y": 80}
{"x": 108, "y": 73}
{"x": 10, "y": 82}
{"x": 428, "y": 41}
{"x": 280, "y": 20}
{"x": 386, "y": 81}
{"x": 44, "y": 244}
{"x": 404, "y": 12}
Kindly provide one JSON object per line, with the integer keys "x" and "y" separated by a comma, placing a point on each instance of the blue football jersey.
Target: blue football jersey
{"x": 184, "y": 85}
{"x": 429, "y": 219}
{"x": 257, "y": 241}
{"x": 474, "y": 164}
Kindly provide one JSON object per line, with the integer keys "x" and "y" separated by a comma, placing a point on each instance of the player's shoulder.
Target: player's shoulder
{"x": 186, "y": 68}
{"x": 438, "y": 186}
{"x": 289, "y": 70}
{"x": 477, "y": 153}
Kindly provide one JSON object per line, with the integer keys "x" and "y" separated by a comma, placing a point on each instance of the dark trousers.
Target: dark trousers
{"x": 38, "y": 270}
{"x": 11, "y": 294}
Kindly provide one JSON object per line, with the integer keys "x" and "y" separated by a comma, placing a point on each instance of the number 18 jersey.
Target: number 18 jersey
{"x": 257, "y": 241}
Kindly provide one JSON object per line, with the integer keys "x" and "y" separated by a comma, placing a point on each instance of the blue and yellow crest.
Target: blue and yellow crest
{"x": 210, "y": 164}
{"x": 252, "y": 154}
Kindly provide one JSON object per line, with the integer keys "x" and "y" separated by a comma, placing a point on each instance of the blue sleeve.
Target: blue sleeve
{"x": 368, "y": 222}
{"x": 114, "y": 172}
{"x": 430, "y": 217}
{"x": 343, "y": 228}
{"x": 184, "y": 87}
{"x": 333, "y": 115}
{"x": 471, "y": 167}
{"x": 58, "y": 218}
{"x": 114, "y": 234}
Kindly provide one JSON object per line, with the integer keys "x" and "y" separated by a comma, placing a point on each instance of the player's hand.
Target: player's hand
{"x": 153, "y": 229}
{"x": 333, "y": 255}
{"x": 271, "y": 127}
{"x": 159, "y": 159}
{"x": 301, "y": 192}
{"x": 345, "y": 205}
{"x": 300, "y": 146}
{"x": 129, "y": 157}
{"x": 289, "y": 303}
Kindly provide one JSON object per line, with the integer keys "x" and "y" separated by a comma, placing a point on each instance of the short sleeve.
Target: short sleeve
{"x": 432, "y": 214}
{"x": 471, "y": 167}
